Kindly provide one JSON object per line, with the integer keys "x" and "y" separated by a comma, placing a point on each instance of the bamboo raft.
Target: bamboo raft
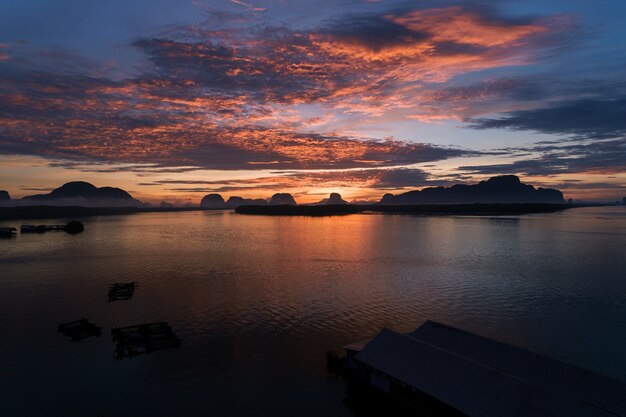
{"x": 42, "y": 228}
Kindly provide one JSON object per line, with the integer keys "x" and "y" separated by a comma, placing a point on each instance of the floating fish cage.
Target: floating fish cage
{"x": 122, "y": 291}
{"x": 143, "y": 339}
{"x": 80, "y": 329}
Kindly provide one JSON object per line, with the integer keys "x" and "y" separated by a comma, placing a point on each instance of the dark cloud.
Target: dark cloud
{"x": 591, "y": 118}
{"x": 373, "y": 31}
{"x": 591, "y": 156}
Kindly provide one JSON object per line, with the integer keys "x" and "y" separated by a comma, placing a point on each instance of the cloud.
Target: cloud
{"x": 225, "y": 98}
{"x": 594, "y": 138}
{"x": 377, "y": 178}
{"x": 458, "y": 26}
{"x": 248, "y": 5}
{"x": 134, "y": 122}
{"x": 567, "y": 157}
{"x": 586, "y": 118}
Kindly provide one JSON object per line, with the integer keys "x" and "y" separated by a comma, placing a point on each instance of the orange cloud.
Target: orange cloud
{"x": 454, "y": 24}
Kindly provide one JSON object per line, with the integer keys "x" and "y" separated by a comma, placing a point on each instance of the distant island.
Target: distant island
{"x": 77, "y": 193}
{"x": 73, "y": 199}
{"x": 505, "y": 189}
{"x": 498, "y": 195}
{"x": 216, "y": 201}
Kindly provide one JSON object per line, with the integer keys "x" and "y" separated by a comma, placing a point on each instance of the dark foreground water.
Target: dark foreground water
{"x": 258, "y": 301}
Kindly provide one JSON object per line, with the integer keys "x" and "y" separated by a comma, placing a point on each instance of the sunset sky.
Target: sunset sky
{"x": 174, "y": 99}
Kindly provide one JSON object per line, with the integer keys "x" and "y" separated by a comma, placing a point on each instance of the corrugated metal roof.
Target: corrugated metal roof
{"x": 601, "y": 391}
{"x": 481, "y": 377}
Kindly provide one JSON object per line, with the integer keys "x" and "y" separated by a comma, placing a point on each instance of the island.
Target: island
{"x": 502, "y": 195}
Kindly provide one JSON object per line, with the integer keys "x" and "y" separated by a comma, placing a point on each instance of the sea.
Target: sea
{"x": 257, "y": 303}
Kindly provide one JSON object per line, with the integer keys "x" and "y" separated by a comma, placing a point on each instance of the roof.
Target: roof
{"x": 482, "y": 377}
{"x": 357, "y": 346}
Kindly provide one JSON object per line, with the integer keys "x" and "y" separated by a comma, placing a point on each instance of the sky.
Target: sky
{"x": 175, "y": 99}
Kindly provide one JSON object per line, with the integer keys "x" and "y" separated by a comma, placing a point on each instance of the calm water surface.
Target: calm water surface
{"x": 258, "y": 301}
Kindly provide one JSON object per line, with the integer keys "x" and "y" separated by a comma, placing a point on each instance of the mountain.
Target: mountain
{"x": 333, "y": 199}
{"x": 212, "y": 201}
{"x": 280, "y": 199}
{"x": 502, "y": 189}
{"x": 216, "y": 201}
{"x": 80, "y": 193}
{"x": 4, "y": 196}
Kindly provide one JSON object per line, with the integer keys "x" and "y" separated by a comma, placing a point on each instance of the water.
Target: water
{"x": 258, "y": 301}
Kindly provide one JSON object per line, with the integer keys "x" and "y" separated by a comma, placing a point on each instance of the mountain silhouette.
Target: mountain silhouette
{"x": 4, "y": 196}
{"x": 283, "y": 199}
{"x": 216, "y": 201}
{"x": 333, "y": 199}
{"x": 80, "y": 193}
{"x": 501, "y": 189}
{"x": 212, "y": 201}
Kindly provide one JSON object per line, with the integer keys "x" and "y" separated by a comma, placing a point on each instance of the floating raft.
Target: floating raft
{"x": 122, "y": 291}
{"x": 143, "y": 339}
{"x": 71, "y": 227}
{"x": 42, "y": 228}
{"x": 80, "y": 329}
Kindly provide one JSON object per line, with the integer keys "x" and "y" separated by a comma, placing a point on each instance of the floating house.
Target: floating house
{"x": 8, "y": 231}
{"x": 439, "y": 370}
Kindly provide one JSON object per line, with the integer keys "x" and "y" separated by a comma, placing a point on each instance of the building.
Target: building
{"x": 439, "y": 370}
